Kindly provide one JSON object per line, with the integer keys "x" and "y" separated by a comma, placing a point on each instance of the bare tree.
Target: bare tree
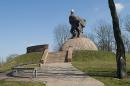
{"x": 11, "y": 57}
{"x": 120, "y": 52}
{"x": 104, "y": 37}
{"x": 1, "y": 61}
{"x": 126, "y": 37}
{"x": 126, "y": 41}
{"x": 61, "y": 34}
{"x": 127, "y": 23}
{"x": 91, "y": 36}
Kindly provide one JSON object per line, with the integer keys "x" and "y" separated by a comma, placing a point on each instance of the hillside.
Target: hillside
{"x": 100, "y": 65}
{"x": 30, "y": 58}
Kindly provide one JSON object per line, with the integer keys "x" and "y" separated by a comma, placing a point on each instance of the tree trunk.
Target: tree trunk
{"x": 120, "y": 52}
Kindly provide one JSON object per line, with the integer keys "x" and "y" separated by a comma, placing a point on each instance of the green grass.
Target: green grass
{"x": 100, "y": 65}
{"x": 20, "y": 83}
{"x": 31, "y": 58}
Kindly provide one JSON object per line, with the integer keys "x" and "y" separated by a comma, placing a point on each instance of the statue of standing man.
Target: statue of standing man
{"x": 77, "y": 25}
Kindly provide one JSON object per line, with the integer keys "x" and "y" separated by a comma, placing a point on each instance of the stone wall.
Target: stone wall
{"x": 37, "y": 48}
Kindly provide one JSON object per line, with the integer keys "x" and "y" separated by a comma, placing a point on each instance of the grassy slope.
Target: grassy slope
{"x": 21, "y": 83}
{"x": 22, "y": 59}
{"x": 100, "y": 65}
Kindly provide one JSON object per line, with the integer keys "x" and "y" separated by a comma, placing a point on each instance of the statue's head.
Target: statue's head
{"x": 72, "y": 11}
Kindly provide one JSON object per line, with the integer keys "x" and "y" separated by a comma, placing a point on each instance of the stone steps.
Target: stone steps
{"x": 54, "y": 57}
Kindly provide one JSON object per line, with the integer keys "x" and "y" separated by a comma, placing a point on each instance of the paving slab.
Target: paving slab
{"x": 64, "y": 74}
{"x": 3, "y": 76}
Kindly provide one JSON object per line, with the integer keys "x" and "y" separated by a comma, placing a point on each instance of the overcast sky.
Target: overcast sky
{"x": 31, "y": 22}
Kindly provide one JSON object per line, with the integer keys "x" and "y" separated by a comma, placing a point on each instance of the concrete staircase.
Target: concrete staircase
{"x": 56, "y": 57}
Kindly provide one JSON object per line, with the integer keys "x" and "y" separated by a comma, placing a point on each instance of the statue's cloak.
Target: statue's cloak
{"x": 76, "y": 20}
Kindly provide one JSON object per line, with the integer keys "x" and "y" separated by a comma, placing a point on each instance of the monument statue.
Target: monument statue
{"x": 77, "y": 24}
{"x": 77, "y": 41}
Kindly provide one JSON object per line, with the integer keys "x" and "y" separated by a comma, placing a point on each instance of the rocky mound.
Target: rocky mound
{"x": 79, "y": 44}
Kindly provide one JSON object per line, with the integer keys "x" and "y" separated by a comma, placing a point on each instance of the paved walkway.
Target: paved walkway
{"x": 64, "y": 74}
{"x": 3, "y": 76}
{"x": 60, "y": 74}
